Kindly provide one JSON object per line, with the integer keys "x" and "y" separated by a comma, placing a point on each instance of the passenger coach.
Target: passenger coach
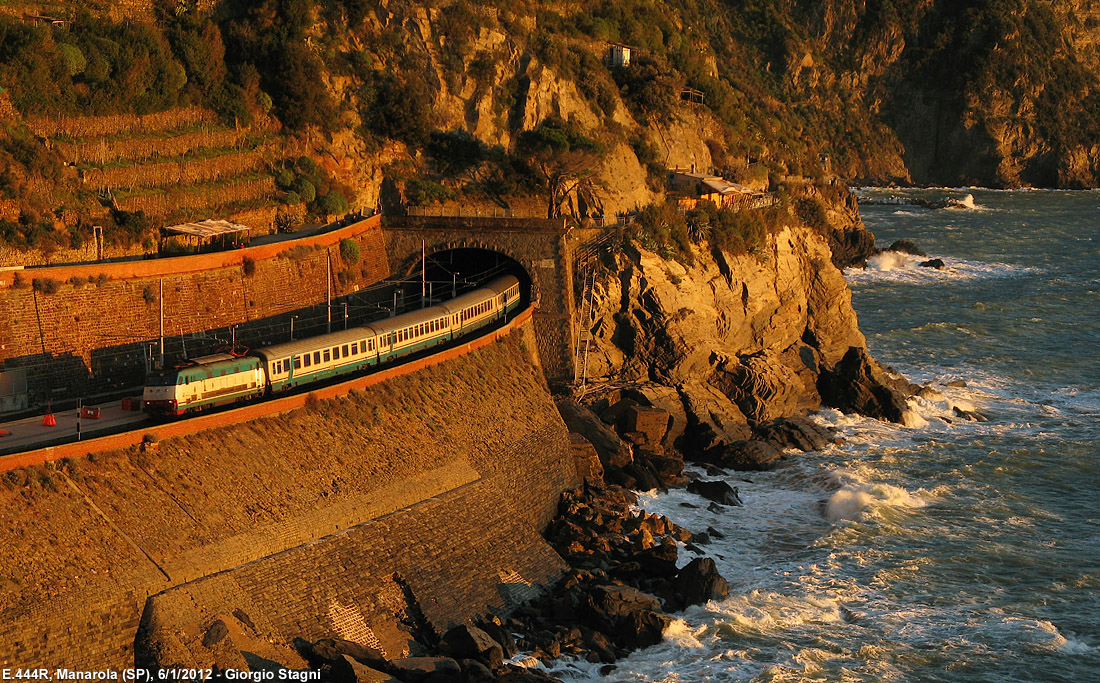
{"x": 199, "y": 384}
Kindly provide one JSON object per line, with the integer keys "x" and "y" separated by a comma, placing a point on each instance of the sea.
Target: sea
{"x": 948, "y": 550}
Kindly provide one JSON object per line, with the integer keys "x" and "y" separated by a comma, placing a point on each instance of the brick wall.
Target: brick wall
{"x": 437, "y": 481}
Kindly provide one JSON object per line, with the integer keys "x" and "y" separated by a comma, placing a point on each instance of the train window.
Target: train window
{"x": 306, "y": 361}
{"x": 355, "y": 349}
{"x": 345, "y": 353}
{"x": 297, "y": 362}
{"x": 316, "y": 357}
{"x": 327, "y": 355}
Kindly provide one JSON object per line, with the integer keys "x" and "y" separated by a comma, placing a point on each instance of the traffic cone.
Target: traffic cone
{"x": 49, "y": 420}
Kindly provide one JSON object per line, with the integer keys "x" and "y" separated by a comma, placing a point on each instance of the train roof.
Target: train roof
{"x": 313, "y": 343}
{"x": 405, "y": 319}
{"x": 212, "y": 358}
{"x": 501, "y": 284}
{"x": 487, "y": 291}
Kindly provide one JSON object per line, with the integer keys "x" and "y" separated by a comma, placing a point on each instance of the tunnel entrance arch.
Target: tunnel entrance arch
{"x": 447, "y": 272}
{"x": 537, "y": 250}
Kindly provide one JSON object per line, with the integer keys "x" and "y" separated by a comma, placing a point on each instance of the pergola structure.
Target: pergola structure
{"x": 203, "y": 236}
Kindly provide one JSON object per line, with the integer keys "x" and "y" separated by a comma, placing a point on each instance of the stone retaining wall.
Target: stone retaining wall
{"x": 426, "y": 489}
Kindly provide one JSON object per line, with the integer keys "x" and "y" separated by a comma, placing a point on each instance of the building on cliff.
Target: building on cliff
{"x": 688, "y": 188}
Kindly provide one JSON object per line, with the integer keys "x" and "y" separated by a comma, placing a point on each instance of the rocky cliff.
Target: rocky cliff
{"x": 727, "y": 344}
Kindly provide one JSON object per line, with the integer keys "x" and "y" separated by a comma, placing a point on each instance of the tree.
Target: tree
{"x": 565, "y": 158}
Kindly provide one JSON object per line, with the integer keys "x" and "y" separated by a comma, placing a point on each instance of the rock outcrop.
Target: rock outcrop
{"x": 743, "y": 341}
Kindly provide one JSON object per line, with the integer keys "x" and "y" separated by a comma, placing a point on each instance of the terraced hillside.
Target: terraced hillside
{"x": 179, "y": 164}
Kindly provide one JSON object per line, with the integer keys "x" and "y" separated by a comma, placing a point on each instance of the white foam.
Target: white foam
{"x": 856, "y": 495}
{"x": 965, "y": 204}
{"x": 892, "y": 266}
{"x": 886, "y": 261}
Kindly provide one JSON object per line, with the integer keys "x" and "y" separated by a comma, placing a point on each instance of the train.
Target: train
{"x": 229, "y": 377}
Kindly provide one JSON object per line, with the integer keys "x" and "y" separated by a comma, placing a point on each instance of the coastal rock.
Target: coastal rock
{"x": 418, "y": 669}
{"x": 519, "y": 675}
{"x": 717, "y": 491}
{"x": 796, "y": 432}
{"x": 667, "y": 399}
{"x": 631, "y": 618}
{"x": 610, "y": 602}
{"x": 470, "y": 642}
{"x": 854, "y": 385}
{"x": 700, "y": 581}
{"x": 585, "y": 457}
{"x": 475, "y": 672}
{"x": 765, "y": 387}
{"x": 971, "y": 415}
{"x": 350, "y": 670}
{"x": 713, "y": 419}
{"x": 905, "y": 247}
{"x": 331, "y": 651}
{"x": 500, "y": 635}
{"x": 936, "y": 263}
{"x": 660, "y": 560}
{"x": 611, "y": 449}
{"x": 652, "y": 422}
{"x": 746, "y": 456}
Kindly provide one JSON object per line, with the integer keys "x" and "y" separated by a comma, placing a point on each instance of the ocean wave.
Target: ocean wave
{"x": 893, "y": 266}
{"x": 856, "y": 496}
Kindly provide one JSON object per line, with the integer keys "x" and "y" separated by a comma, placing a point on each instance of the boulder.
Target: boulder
{"x": 712, "y": 417}
{"x": 660, "y": 560}
{"x": 905, "y": 247}
{"x": 700, "y": 581}
{"x": 746, "y": 456}
{"x": 644, "y": 477}
{"x": 615, "y": 413}
{"x": 796, "y": 432}
{"x": 417, "y": 669}
{"x": 470, "y": 642}
{"x": 667, "y": 399}
{"x": 936, "y": 263}
{"x": 350, "y": 670}
{"x": 475, "y": 671}
{"x": 652, "y": 422}
{"x": 669, "y": 469}
{"x": 717, "y": 490}
{"x": 611, "y": 449}
{"x": 855, "y": 385}
{"x": 610, "y": 603}
{"x": 520, "y": 675}
{"x": 971, "y": 415}
{"x": 501, "y": 636}
{"x": 585, "y": 457}
{"x": 332, "y": 650}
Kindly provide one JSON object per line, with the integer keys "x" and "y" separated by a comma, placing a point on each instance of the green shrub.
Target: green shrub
{"x": 46, "y": 285}
{"x": 421, "y": 192}
{"x": 349, "y": 251}
{"x": 333, "y": 204}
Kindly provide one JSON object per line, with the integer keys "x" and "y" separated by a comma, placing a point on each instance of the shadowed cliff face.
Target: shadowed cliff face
{"x": 743, "y": 339}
